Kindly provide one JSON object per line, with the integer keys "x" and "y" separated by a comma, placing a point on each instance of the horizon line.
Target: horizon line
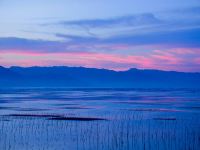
{"x": 36, "y": 66}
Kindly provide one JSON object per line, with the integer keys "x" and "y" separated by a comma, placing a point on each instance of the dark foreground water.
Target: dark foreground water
{"x": 99, "y": 119}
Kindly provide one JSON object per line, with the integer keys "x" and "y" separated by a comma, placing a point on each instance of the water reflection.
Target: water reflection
{"x": 120, "y": 119}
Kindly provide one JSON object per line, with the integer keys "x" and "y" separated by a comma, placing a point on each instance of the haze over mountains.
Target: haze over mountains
{"x": 92, "y": 77}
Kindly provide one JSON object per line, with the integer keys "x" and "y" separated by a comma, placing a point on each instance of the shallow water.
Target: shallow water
{"x": 99, "y": 119}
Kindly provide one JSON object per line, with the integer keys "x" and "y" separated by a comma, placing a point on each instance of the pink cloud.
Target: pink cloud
{"x": 185, "y": 51}
{"x": 172, "y": 59}
{"x": 166, "y": 57}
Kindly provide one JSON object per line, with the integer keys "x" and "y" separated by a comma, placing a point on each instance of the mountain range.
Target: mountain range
{"x": 62, "y": 76}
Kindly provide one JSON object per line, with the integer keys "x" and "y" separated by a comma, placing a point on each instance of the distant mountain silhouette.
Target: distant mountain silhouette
{"x": 92, "y": 77}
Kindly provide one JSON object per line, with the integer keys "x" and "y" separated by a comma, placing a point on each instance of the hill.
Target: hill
{"x": 91, "y": 77}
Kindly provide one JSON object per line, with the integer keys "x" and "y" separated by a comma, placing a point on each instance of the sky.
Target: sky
{"x": 114, "y": 34}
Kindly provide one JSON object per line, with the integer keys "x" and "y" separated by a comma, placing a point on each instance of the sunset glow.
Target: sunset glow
{"x": 164, "y": 37}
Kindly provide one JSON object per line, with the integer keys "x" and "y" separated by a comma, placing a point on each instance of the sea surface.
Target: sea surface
{"x": 99, "y": 119}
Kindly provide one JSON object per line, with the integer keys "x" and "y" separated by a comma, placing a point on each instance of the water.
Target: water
{"x": 99, "y": 119}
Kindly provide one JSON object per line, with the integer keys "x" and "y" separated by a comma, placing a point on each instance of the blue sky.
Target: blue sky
{"x": 112, "y": 34}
